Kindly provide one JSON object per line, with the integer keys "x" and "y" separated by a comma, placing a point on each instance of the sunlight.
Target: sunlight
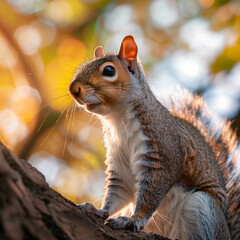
{"x": 164, "y": 13}
{"x": 190, "y": 69}
{"x": 69, "y": 180}
{"x": 48, "y": 165}
{"x": 46, "y": 30}
{"x": 28, "y": 38}
{"x": 64, "y": 12}
{"x": 117, "y": 19}
{"x": 222, "y": 101}
{"x": 25, "y": 102}
{"x": 58, "y": 11}
{"x": 188, "y": 8}
{"x": 56, "y": 89}
{"x": 12, "y": 129}
{"x": 28, "y": 6}
{"x": 204, "y": 41}
{"x": 73, "y": 51}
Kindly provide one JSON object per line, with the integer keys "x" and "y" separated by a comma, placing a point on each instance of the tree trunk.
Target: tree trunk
{"x": 29, "y": 209}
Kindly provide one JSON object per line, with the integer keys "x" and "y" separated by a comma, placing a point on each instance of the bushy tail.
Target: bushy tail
{"x": 223, "y": 141}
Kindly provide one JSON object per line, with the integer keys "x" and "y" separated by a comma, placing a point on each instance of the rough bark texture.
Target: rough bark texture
{"x": 29, "y": 209}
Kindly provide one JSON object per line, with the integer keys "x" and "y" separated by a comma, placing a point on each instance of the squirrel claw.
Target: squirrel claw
{"x": 125, "y": 223}
{"x": 90, "y": 208}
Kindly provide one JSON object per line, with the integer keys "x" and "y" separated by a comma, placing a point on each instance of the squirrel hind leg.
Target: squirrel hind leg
{"x": 188, "y": 215}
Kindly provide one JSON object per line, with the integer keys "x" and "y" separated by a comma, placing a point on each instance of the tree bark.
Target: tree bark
{"x": 30, "y": 209}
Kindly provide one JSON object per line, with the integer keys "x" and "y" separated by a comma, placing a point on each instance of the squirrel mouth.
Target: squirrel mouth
{"x": 92, "y": 106}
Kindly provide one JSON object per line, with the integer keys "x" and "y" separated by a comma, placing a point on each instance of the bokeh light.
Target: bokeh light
{"x": 12, "y": 129}
{"x": 25, "y": 101}
{"x": 117, "y": 19}
{"x": 28, "y": 6}
{"x": 203, "y": 40}
{"x": 65, "y": 12}
{"x": 164, "y": 13}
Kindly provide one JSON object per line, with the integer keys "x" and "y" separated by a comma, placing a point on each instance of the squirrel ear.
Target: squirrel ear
{"x": 128, "y": 49}
{"x": 98, "y": 52}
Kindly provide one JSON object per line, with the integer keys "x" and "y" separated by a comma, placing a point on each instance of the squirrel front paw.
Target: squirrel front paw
{"x": 90, "y": 208}
{"x": 126, "y": 223}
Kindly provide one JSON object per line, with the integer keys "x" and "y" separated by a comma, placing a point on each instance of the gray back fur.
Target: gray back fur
{"x": 223, "y": 141}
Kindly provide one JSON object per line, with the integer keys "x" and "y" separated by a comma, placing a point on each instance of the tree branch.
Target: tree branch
{"x": 29, "y": 209}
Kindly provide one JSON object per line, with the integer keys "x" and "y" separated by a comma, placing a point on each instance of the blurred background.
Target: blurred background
{"x": 191, "y": 43}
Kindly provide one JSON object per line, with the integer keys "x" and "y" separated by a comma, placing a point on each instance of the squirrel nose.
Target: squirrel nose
{"x": 75, "y": 89}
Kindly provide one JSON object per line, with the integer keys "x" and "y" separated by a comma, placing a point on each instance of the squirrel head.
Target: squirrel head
{"x": 103, "y": 84}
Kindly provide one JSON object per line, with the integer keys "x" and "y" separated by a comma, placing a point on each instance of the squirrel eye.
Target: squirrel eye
{"x": 109, "y": 71}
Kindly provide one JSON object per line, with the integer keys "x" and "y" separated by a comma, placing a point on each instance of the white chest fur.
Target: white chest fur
{"x": 126, "y": 145}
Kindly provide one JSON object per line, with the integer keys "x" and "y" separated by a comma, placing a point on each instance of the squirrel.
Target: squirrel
{"x": 177, "y": 165}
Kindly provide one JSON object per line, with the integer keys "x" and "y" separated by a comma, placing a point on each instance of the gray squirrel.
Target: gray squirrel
{"x": 176, "y": 165}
